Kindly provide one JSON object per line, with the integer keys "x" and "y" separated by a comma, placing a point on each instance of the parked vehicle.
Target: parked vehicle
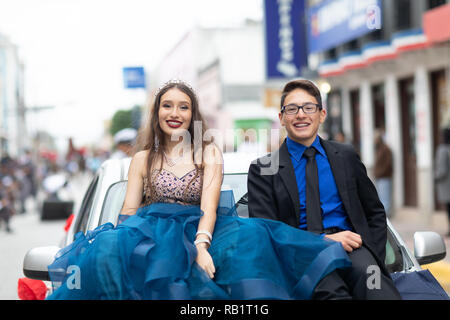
{"x": 104, "y": 197}
{"x": 57, "y": 205}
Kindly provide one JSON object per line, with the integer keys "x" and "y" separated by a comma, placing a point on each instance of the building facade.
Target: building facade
{"x": 12, "y": 107}
{"x": 380, "y": 64}
{"x": 228, "y": 80}
{"x": 394, "y": 77}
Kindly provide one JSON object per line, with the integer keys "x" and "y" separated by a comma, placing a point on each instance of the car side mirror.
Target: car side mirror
{"x": 37, "y": 260}
{"x": 428, "y": 247}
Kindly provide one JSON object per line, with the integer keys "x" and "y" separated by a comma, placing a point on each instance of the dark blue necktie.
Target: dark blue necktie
{"x": 313, "y": 210}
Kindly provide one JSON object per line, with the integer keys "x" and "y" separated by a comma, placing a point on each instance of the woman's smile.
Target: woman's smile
{"x": 174, "y": 123}
{"x": 175, "y": 111}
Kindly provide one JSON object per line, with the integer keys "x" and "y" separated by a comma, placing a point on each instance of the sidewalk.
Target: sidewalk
{"x": 407, "y": 221}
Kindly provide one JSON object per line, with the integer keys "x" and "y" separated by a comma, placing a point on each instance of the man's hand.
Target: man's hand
{"x": 349, "y": 240}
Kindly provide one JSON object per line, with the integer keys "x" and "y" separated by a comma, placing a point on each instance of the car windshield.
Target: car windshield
{"x": 237, "y": 183}
{"x": 113, "y": 202}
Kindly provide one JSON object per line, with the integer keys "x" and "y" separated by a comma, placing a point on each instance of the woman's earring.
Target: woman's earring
{"x": 156, "y": 143}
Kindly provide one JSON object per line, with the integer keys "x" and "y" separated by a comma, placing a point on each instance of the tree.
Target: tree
{"x": 126, "y": 119}
{"x": 121, "y": 119}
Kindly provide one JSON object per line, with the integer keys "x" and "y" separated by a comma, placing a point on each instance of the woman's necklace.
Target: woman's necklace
{"x": 172, "y": 161}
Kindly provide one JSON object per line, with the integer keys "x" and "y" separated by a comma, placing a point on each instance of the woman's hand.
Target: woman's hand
{"x": 204, "y": 260}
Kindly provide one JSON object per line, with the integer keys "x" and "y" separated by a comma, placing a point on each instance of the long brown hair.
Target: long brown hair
{"x": 151, "y": 137}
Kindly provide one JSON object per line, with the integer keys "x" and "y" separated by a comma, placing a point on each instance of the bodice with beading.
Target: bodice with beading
{"x": 169, "y": 188}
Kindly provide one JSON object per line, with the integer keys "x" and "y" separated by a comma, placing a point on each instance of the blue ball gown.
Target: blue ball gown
{"x": 151, "y": 255}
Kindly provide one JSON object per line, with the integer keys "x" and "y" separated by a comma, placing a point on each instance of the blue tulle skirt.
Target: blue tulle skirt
{"x": 152, "y": 256}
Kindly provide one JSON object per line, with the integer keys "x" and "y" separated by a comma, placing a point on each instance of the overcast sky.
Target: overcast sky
{"x": 74, "y": 51}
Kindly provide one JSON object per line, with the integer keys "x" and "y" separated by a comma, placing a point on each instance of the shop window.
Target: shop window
{"x": 403, "y": 19}
{"x": 379, "y": 106}
{"x": 435, "y": 3}
{"x": 356, "y": 119}
{"x": 331, "y": 54}
{"x": 408, "y": 129}
{"x": 334, "y": 118}
{"x": 351, "y": 45}
{"x": 376, "y": 35}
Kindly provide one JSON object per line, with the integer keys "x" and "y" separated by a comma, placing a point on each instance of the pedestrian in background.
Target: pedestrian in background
{"x": 6, "y": 211}
{"x": 28, "y": 170}
{"x": 340, "y": 137}
{"x": 124, "y": 141}
{"x": 9, "y": 188}
{"x": 383, "y": 171}
{"x": 442, "y": 172}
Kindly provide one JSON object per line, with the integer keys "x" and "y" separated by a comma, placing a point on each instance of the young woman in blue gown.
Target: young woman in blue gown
{"x": 178, "y": 236}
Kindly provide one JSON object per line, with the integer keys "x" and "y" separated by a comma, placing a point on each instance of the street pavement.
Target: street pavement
{"x": 30, "y": 232}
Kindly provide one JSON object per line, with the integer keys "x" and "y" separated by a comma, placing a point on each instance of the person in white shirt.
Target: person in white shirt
{"x": 124, "y": 141}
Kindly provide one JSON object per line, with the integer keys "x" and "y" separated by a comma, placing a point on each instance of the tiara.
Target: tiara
{"x": 174, "y": 81}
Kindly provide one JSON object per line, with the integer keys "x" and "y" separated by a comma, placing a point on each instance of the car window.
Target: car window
{"x": 394, "y": 257}
{"x": 115, "y": 196}
{"x": 237, "y": 183}
{"x": 85, "y": 208}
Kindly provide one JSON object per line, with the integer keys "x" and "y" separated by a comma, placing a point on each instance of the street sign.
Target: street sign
{"x": 285, "y": 36}
{"x": 134, "y": 77}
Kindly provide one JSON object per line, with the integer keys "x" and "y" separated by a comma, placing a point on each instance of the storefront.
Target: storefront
{"x": 398, "y": 83}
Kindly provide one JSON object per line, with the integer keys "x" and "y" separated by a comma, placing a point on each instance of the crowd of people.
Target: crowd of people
{"x": 22, "y": 178}
{"x": 18, "y": 183}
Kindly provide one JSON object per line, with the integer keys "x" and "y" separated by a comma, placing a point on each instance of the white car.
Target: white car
{"x": 104, "y": 197}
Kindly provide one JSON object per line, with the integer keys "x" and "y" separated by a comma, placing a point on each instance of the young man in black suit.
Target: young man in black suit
{"x": 341, "y": 203}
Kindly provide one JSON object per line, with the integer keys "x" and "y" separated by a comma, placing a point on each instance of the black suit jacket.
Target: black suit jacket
{"x": 273, "y": 193}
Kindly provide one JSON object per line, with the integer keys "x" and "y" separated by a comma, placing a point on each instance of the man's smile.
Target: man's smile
{"x": 301, "y": 125}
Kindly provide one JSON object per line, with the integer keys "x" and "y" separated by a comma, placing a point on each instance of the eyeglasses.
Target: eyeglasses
{"x": 307, "y": 108}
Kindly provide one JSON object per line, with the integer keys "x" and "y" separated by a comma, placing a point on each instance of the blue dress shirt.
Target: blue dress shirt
{"x": 333, "y": 211}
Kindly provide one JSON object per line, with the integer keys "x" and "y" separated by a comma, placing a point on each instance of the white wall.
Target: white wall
{"x": 11, "y": 78}
{"x": 241, "y": 52}
{"x": 210, "y": 60}
{"x": 179, "y": 63}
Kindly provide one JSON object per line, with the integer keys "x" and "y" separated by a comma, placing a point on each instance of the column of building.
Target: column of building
{"x": 367, "y": 126}
{"x": 424, "y": 142}
{"x": 394, "y": 138}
